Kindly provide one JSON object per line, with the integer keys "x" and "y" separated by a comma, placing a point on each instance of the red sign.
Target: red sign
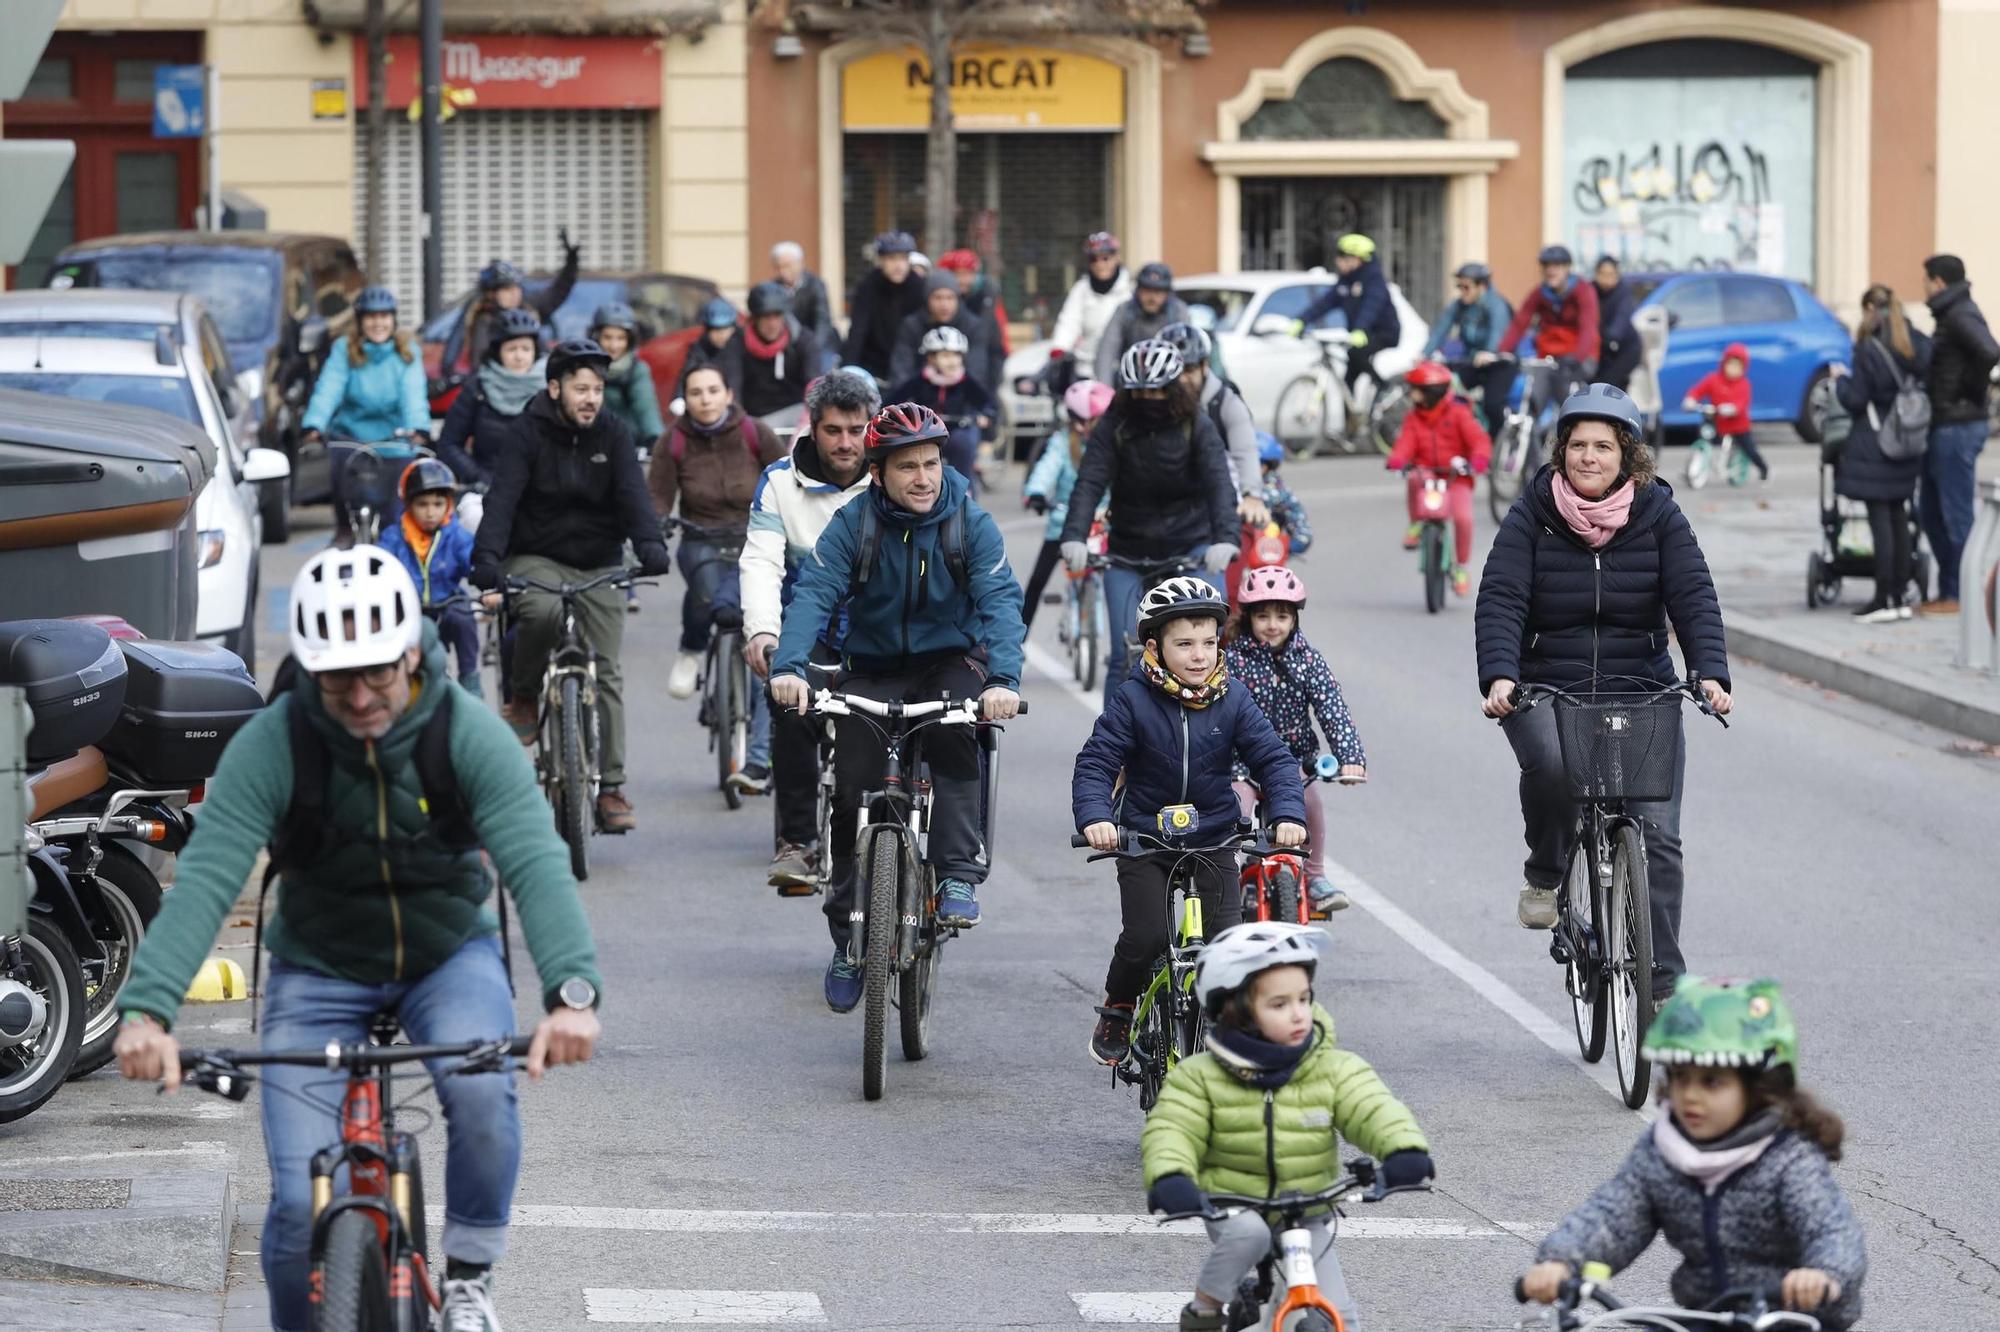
{"x": 526, "y": 72}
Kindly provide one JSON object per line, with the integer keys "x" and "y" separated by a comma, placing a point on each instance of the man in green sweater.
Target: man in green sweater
{"x": 381, "y": 906}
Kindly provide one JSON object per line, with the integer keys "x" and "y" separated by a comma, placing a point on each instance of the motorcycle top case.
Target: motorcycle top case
{"x": 74, "y": 677}
{"x": 183, "y": 702}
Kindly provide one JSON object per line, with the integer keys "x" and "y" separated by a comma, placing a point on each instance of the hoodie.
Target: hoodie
{"x": 1720, "y": 389}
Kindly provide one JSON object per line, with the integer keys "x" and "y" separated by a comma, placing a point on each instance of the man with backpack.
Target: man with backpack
{"x": 376, "y": 781}
{"x": 1219, "y": 397}
{"x": 1963, "y": 353}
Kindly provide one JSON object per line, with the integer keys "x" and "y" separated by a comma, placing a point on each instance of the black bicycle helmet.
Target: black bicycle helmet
{"x": 424, "y": 476}
{"x": 1474, "y": 273}
{"x": 1155, "y": 276}
{"x": 375, "y": 300}
{"x": 573, "y": 354}
{"x": 615, "y": 314}
{"x": 1602, "y": 402}
{"x": 499, "y": 274}
{"x": 895, "y": 242}
{"x": 769, "y": 298}
{"x": 901, "y": 424}
{"x": 1189, "y": 341}
{"x": 1555, "y": 254}
{"x": 519, "y": 322}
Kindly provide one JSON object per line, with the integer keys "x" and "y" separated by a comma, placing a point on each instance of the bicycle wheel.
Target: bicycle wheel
{"x": 1385, "y": 417}
{"x": 1150, "y": 1043}
{"x": 353, "y": 1278}
{"x": 573, "y": 777}
{"x": 914, "y": 989}
{"x": 725, "y": 719}
{"x": 1509, "y": 471}
{"x": 885, "y": 860}
{"x": 1699, "y": 464}
{"x": 1584, "y": 976}
{"x": 1285, "y": 900}
{"x": 1628, "y": 912}
{"x": 1089, "y": 634}
{"x": 131, "y": 899}
{"x": 1434, "y": 567}
{"x": 1301, "y": 416}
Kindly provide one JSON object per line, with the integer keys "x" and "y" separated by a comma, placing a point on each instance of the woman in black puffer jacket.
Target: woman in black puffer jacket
{"x": 1591, "y": 565}
{"x": 1885, "y": 346}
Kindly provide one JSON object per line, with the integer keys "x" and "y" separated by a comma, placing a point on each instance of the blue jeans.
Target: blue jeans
{"x": 1122, "y": 590}
{"x": 713, "y": 585}
{"x": 1945, "y": 507}
{"x": 463, "y": 1000}
{"x": 460, "y": 632}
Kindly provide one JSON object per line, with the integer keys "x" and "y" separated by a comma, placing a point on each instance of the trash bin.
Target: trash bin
{"x": 97, "y": 512}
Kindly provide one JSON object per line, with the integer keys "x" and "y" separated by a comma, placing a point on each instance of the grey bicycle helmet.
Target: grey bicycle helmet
{"x": 1602, "y": 402}
{"x": 1474, "y": 273}
{"x": 615, "y": 314}
{"x": 1155, "y": 276}
{"x": 1149, "y": 364}
{"x": 1555, "y": 254}
{"x": 1189, "y": 341}
{"x": 943, "y": 338}
{"x": 769, "y": 298}
{"x": 519, "y": 322}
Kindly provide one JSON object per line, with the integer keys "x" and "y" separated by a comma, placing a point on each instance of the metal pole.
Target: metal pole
{"x": 212, "y": 97}
{"x": 432, "y": 24}
{"x": 378, "y": 140}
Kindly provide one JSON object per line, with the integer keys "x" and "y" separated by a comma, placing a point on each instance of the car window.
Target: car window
{"x": 1756, "y": 301}
{"x": 1229, "y": 303}
{"x": 221, "y": 374}
{"x": 675, "y": 302}
{"x": 1291, "y": 302}
{"x": 161, "y": 393}
{"x": 81, "y": 328}
{"x": 239, "y": 289}
{"x": 1696, "y": 303}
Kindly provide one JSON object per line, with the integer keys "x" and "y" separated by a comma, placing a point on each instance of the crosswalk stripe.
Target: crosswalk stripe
{"x": 602, "y": 1304}
{"x": 1129, "y": 1306}
{"x": 669, "y": 1220}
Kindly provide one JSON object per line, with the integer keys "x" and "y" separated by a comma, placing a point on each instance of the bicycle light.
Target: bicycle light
{"x": 1178, "y": 820}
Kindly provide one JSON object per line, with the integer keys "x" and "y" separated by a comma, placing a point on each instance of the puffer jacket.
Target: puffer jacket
{"x": 1861, "y": 470}
{"x": 1365, "y": 305}
{"x": 571, "y": 494}
{"x": 1172, "y": 754}
{"x": 629, "y": 395}
{"x": 1962, "y": 359}
{"x": 372, "y": 401}
{"x": 445, "y": 562}
{"x": 1231, "y": 1137}
{"x": 1053, "y": 477}
{"x": 1434, "y": 436}
{"x": 1086, "y": 312}
{"x": 1552, "y": 611}
{"x": 1291, "y": 685}
{"x": 793, "y": 504}
{"x": 1173, "y": 487}
{"x": 1129, "y": 324}
{"x": 1781, "y": 1211}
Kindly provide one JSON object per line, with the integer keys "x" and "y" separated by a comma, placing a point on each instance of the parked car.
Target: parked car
{"x": 166, "y": 375}
{"x": 1793, "y": 339}
{"x": 280, "y": 299}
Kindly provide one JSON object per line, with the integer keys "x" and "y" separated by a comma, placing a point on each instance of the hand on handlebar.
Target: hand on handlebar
{"x": 1542, "y": 1283}
{"x": 1253, "y": 511}
{"x": 566, "y": 1036}
{"x": 998, "y": 703}
{"x": 1483, "y": 359}
{"x": 1076, "y": 555}
{"x": 1286, "y": 833}
{"x": 1718, "y": 698}
{"x": 148, "y": 1052}
{"x": 1807, "y": 1288}
{"x": 758, "y": 653}
{"x": 789, "y": 691}
{"x": 1102, "y": 836}
{"x": 1499, "y": 699}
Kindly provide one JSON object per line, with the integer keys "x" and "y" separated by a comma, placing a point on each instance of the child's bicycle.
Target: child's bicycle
{"x": 1434, "y": 548}
{"x": 1302, "y": 1308}
{"x": 1517, "y": 452}
{"x": 1712, "y": 452}
{"x": 1744, "y": 1309}
{"x": 370, "y": 1259}
{"x": 1085, "y": 623}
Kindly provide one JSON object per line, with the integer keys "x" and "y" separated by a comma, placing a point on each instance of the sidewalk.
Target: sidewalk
{"x": 1757, "y": 541}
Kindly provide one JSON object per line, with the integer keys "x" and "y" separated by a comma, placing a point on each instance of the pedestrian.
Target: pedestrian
{"x": 810, "y": 303}
{"x": 1887, "y": 352}
{"x": 980, "y": 298}
{"x": 885, "y": 296}
{"x": 1963, "y": 354}
{"x": 1617, "y": 339}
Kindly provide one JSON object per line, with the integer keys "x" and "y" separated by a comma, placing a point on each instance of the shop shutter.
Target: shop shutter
{"x": 512, "y": 179}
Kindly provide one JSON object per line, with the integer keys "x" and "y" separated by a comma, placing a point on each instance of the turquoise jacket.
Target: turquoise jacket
{"x": 1053, "y": 477}
{"x": 371, "y": 402}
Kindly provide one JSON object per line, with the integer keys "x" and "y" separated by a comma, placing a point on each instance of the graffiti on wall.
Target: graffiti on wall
{"x": 1641, "y": 200}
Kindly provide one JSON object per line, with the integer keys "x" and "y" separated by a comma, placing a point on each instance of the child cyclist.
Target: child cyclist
{"x": 1054, "y": 476}
{"x": 1728, "y": 387}
{"x": 1740, "y": 1162}
{"x": 1290, "y": 681}
{"x": 1257, "y": 1114}
{"x": 1286, "y": 511}
{"x": 1170, "y": 729}
{"x": 1440, "y": 432}
{"x": 437, "y": 550}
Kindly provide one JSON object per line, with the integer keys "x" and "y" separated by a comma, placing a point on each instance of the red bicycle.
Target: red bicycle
{"x": 1274, "y": 888}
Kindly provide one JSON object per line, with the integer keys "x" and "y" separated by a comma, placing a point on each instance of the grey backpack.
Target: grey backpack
{"x": 1904, "y": 431}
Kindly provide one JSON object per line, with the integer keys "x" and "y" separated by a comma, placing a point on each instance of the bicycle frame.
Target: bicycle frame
{"x": 1567, "y": 1312}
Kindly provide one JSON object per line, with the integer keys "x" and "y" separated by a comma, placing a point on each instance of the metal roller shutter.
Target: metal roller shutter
{"x": 511, "y": 180}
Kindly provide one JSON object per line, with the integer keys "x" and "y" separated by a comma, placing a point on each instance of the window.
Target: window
{"x": 1749, "y": 301}
{"x": 1344, "y": 98}
{"x": 1694, "y": 304}
{"x": 239, "y": 291}
{"x": 1228, "y": 303}
{"x": 132, "y": 80}
{"x": 1291, "y": 302}
{"x": 54, "y": 80}
{"x": 161, "y": 393}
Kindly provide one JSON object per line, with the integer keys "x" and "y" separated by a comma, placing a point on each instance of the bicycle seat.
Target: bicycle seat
{"x": 728, "y": 617}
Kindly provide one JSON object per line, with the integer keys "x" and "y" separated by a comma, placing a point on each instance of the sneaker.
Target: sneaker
{"x": 1461, "y": 582}
{"x": 793, "y": 871}
{"x": 1111, "y": 1041}
{"x": 523, "y": 716}
{"x": 752, "y": 779}
{"x": 1874, "y": 614}
{"x": 614, "y": 811}
{"x": 843, "y": 983}
{"x": 682, "y": 679}
{"x": 1194, "y": 1320}
{"x": 1411, "y": 535}
{"x": 1942, "y": 606}
{"x": 1325, "y": 897}
{"x": 958, "y": 904}
{"x": 468, "y": 1305}
{"x": 1537, "y": 908}
{"x": 1903, "y": 611}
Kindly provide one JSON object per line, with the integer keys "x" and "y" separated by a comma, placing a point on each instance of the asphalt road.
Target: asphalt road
{"x": 720, "y": 1145}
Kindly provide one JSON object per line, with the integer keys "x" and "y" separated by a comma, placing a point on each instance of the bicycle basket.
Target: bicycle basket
{"x": 1620, "y": 748}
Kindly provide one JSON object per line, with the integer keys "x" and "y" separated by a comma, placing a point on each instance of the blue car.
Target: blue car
{"x": 1792, "y": 338}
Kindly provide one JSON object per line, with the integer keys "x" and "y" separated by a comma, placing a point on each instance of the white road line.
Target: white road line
{"x": 185, "y": 1149}
{"x": 611, "y": 1305}
{"x": 1129, "y": 1306}
{"x": 673, "y": 1220}
{"x": 1400, "y": 923}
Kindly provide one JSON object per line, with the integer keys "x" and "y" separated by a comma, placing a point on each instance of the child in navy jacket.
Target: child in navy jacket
{"x": 437, "y": 550}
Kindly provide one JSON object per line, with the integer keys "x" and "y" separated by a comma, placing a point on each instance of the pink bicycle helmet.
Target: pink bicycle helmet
{"x": 1087, "y": 399}
{"x": 1270, "y": 582}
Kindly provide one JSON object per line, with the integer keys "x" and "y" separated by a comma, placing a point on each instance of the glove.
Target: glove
{"x": 1402, "y": 1169}
{"x": 1057, "y": 353}
{"x": 485, "y": 577}
{"x": 1219, "y": 557}
{"x": 653, "y": 559}
{"x": 1357, "y": 338}
{"x": 1298, "y": 328}
{"x": 1175, "y": 1195}
{"x": 1076, "y": 555}
{"x": 570, "y": 249}
{"x": 1039, "y": 503}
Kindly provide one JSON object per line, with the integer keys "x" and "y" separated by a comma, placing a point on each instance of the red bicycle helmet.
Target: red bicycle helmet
{"x": 1270, "y": 582}
{"x": 1427, "y": 373}
{"x": 901, "y": 424}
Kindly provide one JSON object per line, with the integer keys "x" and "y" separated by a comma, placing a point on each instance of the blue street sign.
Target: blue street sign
{"x": 180, "y": 102}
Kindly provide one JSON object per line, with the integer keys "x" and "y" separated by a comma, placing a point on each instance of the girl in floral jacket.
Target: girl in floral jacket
{"x": 1268, "y": 654}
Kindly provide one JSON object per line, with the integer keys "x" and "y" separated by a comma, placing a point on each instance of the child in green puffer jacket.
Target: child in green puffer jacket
{"x": 1262, "y": 1112}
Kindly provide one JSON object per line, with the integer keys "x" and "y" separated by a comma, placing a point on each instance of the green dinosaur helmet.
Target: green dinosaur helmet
{"x": 1724, "y": 1024}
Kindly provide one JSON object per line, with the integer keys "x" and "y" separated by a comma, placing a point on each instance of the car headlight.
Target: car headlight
{"x": 213, "y": 539}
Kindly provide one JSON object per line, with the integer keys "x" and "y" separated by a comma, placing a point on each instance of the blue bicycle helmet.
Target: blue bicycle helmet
{"x": 375, "y": 300}
{"x": 615, "y": 314}
{"x": 1602, "y": 402}
{"x": 1474, "y": 273}
{"x": 519, "y": 322}
{"x": 895, "y": 242}
{"x": 1269, "y": 451}
{"x": 718, "y": 313}
{"x": 1555, "y": 254}
{"x": 499, "y": 274}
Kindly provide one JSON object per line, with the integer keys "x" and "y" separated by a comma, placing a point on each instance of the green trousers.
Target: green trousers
{"x": 601, "y": 616}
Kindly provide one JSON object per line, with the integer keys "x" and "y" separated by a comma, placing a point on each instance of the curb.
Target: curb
{"x": 1759, "y": 642}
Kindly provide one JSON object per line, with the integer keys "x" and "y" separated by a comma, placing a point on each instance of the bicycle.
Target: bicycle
{"x": 365, "y": 481}
{"x": 1515, "y": 455}
{"x": 370, "y": 1252}
{"x": 893, "y": 925}
{"x": 1304, "y": 416}
{"x": 1151, "y": 573}
{"x": 1619, "y": 748}
{"x": 725, "y": 676}
{"x": 1741, "y": 1309}
{"x": 1084, "y": 622}
{"x": 1291, "y": 1257}
{"x": 1703, "y": 462}
{"x": 567, "y": 748}
{"x": 1435, "y": 558}
{"x": 1271, "y": 885}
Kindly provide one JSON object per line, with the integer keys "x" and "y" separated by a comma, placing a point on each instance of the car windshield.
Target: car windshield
{"x": 662, "y": 305}
{"x": 82, "y": 328}
{"x": 1227, "y": 302}
{"x": 240, "y": 290}
{"x": 162, "y": 393}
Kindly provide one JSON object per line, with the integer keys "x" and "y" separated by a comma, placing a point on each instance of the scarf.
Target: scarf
{"x": 1192, "y": 696}
{"x": 1104, "y": 288}
{"x": 1252, "y": 1059}
{"x": 727, "y": 421}
{"x": 772, "y": 351}
{"x": 420, "y": 540}
{"x": 1556, "y": 298}
{"x": 621, "y": 369}
{"x": 932, "y": 376}
{"x": 506, "y": 392}
{"x": 1598, "y": 520}
{"x": 1151, "y": 411}
{"x": 1710, "y": 1164}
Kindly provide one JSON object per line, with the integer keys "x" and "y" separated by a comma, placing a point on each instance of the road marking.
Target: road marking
{"x": 611, "y": 1305}
{"x": 185, "y": 1149}
{"x": 674, "y": 1220}
{"x": 1129, "y": 1306}
{"x": 1402, "y": 924}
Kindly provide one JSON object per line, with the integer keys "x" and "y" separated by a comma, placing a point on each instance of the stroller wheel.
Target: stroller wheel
{"x": 1822, "y": 583}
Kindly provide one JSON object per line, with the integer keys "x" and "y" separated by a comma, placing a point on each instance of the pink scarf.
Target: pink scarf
{"x": 1707, "y": 1167}
{"x": 1598, "y": 520}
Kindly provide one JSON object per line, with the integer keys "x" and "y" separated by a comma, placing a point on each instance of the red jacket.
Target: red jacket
{"x": 1568, "y": 326}
{"x": 1721, "y": 390}
{"x": 1433, "y": 436}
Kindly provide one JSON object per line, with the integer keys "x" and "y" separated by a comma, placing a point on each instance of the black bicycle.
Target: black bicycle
{"x": 1151, "y": 573}
{"x": 1620, "y": 747}
{"x": 1741, "y": 1309}
{"x": 725, "y": 676}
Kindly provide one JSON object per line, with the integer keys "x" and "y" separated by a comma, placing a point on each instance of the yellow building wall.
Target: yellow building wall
{"x": 1968, "y": 187}
{"x": 701, "y": 210}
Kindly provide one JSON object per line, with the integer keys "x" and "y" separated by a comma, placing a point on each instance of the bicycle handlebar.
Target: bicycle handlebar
{"x": 222, "y": 1071}
{"x": 1527, "y": 694}
{"x": 1766, "y": 1313}
{"x": 516, "y": 583}
{"x": 1132, "y": 846}
{"x": 719, "y": 535}
{"x": 833, "y": 703}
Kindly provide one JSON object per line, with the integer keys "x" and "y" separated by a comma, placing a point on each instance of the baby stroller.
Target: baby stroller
{"x": 1847, "y": 546}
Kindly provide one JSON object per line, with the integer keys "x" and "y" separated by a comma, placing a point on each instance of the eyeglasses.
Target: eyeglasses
{"x": 375, "y": 677}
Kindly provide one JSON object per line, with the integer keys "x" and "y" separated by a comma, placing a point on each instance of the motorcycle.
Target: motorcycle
{"x": 41, "y": 990}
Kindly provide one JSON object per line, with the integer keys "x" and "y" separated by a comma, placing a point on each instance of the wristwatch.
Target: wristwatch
{"x": 578, "y": 993}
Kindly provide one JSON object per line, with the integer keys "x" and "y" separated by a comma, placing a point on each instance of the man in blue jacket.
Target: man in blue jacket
{"x": 1361, "y": 294}
{"x": 1474, "y": 319}
{"x": 919, "y": 574}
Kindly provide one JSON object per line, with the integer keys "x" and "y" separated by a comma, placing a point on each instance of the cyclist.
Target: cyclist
{"x": 1616, "y": 336}
{"x": 1087, "y": 310}
{"x": 567, "y": 495}
{"x": 1160, "y": 454}
{"x": 810, "y": 305}
{"x": 980, "y": 299}
{"x": 1441, "y": 433}
{"x": 436, "y": 549}
{"x": 1171, "y": 731}
{"x": 1475, "y": 320}
{"x": 1285, "y": 508}
{"x": 796, "y": 498}
{"x": 1153, "y": 306}
{"x": 1736, "y": 1176}
{"x": 1563, "y": 313}
{"x": 1361, "y": 294}
{"x": 1223, "y": 402}
{"x": 372, "y": 383}
{"x": 718, "y": 336}
{"x": 1053, "y": 477}
{"x": 961, "y": 399}
{"x": 508, "y": 380}
{"x": 1590, "y": 566}
{"x": 774, "y": 356}
{"x": 953, "y": 631}
{"x": 942, "y": 308}
{"x": 629, "y": 394}
{"x": 1257, "y": 1113}
{"x": 374, "y": 915}
{"x": 883, "y": 299}
{"x": 500, "y": 289}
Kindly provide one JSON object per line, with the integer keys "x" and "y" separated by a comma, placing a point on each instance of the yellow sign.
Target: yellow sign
{"x": 992, "y": 88}
{"x": 329, "y": 99}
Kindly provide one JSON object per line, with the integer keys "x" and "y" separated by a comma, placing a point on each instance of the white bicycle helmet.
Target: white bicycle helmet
{"x": 1180, "y": 598}
{"x": 1149, "y": 364}
{"x": 1232, "y": 957}
{"x": 944, "y": 338}
{"x": 352, "y": 609}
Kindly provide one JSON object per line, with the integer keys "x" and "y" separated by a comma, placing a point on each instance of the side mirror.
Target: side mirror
{"x": 261, "y": 465}
{"x": 312, "y": 336}
{"x": 1272, "y": 326}
{"x": 1673, "y": 319}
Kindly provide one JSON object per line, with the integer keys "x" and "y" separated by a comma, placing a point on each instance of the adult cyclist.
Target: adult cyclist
{"x": 500, "y": 288}
{"x": 1153, "y": 306}
{"x": 1361, "y": 294}
{"x": 923, "y": 622}
{"x": 1466, "y": 336}
{"x": 379, "y": 909}
{"x": 371, "y": 386}
{"x": 567, "y": 494}
{"x": 629, "y": 393}
{"x": 506, "y": 383}
{"x": 1086, "y": 312}
{"x": 796, "y": 498}
{"x": 1563, "y": 313}
{"x": 1223, "y": 402}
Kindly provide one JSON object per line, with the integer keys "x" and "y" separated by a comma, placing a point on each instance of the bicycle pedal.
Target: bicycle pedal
{"x": 1559, "y": 950}
{"x": 798, "y": 890}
